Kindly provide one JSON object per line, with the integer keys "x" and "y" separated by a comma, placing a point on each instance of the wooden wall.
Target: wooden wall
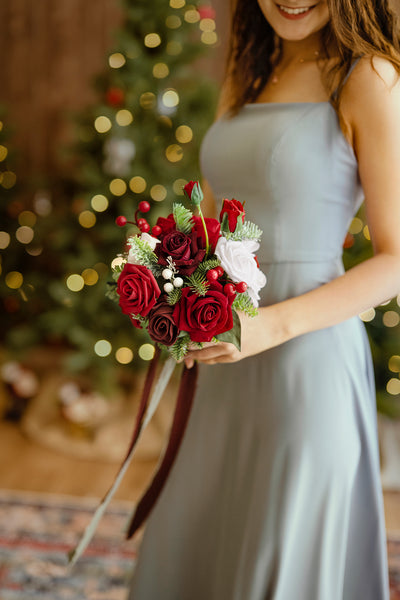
{"x": 51, "y": 50}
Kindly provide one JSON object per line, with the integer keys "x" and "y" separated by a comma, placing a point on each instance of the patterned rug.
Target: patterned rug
{"x": 37, "y": 531}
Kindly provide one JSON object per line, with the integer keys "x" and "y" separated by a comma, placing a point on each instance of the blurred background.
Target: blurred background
{"x": 103, "y": 105}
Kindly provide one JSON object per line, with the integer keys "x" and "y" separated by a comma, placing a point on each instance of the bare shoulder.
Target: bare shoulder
{"x": 373, "y": 84}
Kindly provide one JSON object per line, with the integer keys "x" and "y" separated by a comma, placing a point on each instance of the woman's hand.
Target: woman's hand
{"x": 257, "y": 335}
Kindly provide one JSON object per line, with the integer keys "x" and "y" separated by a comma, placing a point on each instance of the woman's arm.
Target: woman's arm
{"x": 371, "y": 114}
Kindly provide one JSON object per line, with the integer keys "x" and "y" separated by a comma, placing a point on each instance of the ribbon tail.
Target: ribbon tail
{"x": 144, "y": 415}
{"x": 182, "y": 411}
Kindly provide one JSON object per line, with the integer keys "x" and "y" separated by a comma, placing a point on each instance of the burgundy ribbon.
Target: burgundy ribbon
{"x": 183, "y": 407}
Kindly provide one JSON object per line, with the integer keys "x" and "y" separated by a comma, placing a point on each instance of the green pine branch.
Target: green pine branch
{"x": 249, "y": 231}
{"x": 205, "y": 266}
{"x": 174, "y": 296}
{"x": 198, "y": 283}
{"x": 183, "y": 218}
{"x": 143, "y": 253}
{"x": 179, "y": 349}
{"x": 243, "y": 303}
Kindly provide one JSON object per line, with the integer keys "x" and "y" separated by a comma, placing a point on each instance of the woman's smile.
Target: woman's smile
{"x": 294, "y": 13}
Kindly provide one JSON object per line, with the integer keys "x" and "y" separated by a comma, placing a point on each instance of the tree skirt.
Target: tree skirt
{"x": 37, "y": 531}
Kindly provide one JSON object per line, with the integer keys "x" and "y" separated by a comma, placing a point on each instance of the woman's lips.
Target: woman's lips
{"x": 294, "y": 13}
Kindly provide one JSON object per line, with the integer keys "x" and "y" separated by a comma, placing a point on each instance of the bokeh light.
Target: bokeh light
{"x": 177, "y": 3}
{"x": 75, "y": 282}
{"x": 87, "y": 219}
{"x": 174, "y": 153}
{"x": 160, "y": 70}
{"x": 137, "y": 184}
{"x": 178, "y": 186}
{"x": 152, "y": 40}
{"x": 393, "y": 386}
{"x": 27, "y": 217}
{"x": 118, "y": 187}
{"x": 184, "y": 134}
{"x": 14, "y": 280}
{"x": 170, "y": 98}
{"x": 366, "y": 233}
{"x": 4, "y": 239}
{"x": 124, "y": 355}
{"x": 8, "y": 179}
{"x": 3, "y": 152}
{"x": 90, "y": 276}
{"x": 368, "y": 315}
{"x": 102, "y": 124}
{"x": 174, "y": 48}
{"x": 394, "y": 363}
{"x": 124, "y": 117}
{"x": 356, "y": 226}
{"x": 147, "y": 100}
{"x": 102, "y": 348}
{"x": 99, "y": 202}
{"x": 209, "y": 37}
{"x": 116, "y": 60}
{"x": 158, "y": 193}
{"x": 24, "y": 234}
{"x": 192, "y": 16}
{"x": 146, "y": 351}
{"x": 391, "y": 318}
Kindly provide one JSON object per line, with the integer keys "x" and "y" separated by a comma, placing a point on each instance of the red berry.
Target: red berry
{"x": 121, "y": 221}
{"x": 144, "y": 206}
{"x": 241, "y": 287}
{"x": 141, "y": 222}
{"x": 220, "y": 271}
{"x": 156, "y": 230}
{"x": 212, "y": 275}
{"x": 229, "y": 289}
{"x": 144, "y": 227}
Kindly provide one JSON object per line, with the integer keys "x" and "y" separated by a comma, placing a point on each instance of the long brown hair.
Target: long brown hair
{"x": 356, "y": 28}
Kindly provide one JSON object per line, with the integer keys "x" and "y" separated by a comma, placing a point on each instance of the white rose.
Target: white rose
{"x": 150, "y": 240}
{"x": 237, "y": 260}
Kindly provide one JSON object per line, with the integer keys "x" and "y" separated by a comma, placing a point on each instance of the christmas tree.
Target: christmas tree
{"x": 140, "y": 141}
{"x": 382, "y": 324}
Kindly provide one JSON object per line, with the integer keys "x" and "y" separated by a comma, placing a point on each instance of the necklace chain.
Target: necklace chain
{"x": 275, "y": 76}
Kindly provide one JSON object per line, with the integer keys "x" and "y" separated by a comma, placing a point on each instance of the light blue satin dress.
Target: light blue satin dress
{"x": 275, "y": 494}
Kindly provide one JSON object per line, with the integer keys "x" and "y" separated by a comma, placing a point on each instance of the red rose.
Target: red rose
{"x": 233, "y": 209}
{"x": 203, "y": 317}
{"x": 184, "y": 250}
{"x": 167, "y": 224}
{"x": 213, "y": 230}
{"x": 162, "y": 326}
{"x": 137, "y": 289}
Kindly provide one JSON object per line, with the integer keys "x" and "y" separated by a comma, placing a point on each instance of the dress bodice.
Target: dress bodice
{"x": 294, "y": 169}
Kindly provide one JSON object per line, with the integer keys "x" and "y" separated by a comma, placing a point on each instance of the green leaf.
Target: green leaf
{"x": 183, "y": 218}
{"x": 233, "y": 335}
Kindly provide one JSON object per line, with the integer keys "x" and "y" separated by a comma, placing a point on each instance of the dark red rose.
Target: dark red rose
{"x": 162, "y": 326}
{"x": 233, "y": 208}
{"x": 203, "y": 317}
{"x": 137, "y": 289}
{"x": 167, "y": 224}
{"x": 213, "y": 230}
{"x": 184, "y": 250}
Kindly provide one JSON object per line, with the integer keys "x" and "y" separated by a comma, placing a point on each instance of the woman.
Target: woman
{"x": 275, "y": 494}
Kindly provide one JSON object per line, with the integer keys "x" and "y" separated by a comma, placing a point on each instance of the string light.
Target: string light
{"x": 75, "y": 282}
{"x": 160, "y": 70}
{"x": 87, "y": 219}
{"x": 391, "y": 318}
{"x": 393, "y": 386}
{"x": 14, "y": 280}
{"x": 207, "y": 24}
{"x": 174, "y": 48}
{"x": 137, "y": 184}
{"x": 124, "y": 355}
{"x": 3, "y": 152}
{"x": 177, "y": 3}
{"x": 158, "y": 193}
{"x": 124, "y": 117}
{"x": 116, "y": 60}
{"x": 8, "y": 179}
{"x": 24, "y": 234}
{"x": 368, "y": 315}
{"x": 173, "y": 21}
{"x": 90, "y": 276}
{"x": 146, "y": 351}
{"x": 118, "y": 187}
{"x": 27, "y": 217}
{"x": 184, "y": 134}
{"x": 178, "y": 185}
{"x": 394, "y": 364}
{"x": 4, "y": 239}
{"x": 170, "y": 98}
{"x": 209, "y": 38}
{"x": 174, "y": 153}
{"x": 192, "y": 16}
{"x": 152, "y": 40}
{"x": 102, "y": 124}
{"x": 99, "y": 203}
{"x": 102, "y": 348}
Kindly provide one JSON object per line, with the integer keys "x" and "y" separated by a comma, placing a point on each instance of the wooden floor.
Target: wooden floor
{"x": 26, "y": 465}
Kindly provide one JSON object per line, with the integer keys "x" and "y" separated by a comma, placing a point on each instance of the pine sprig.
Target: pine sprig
{"x": 111, "y": 291}
{"x": 249, "y": 231}
{"x": 143, "y": 253}
{"x": 174, "y": 296}
{"x": 243, "y": 303}
{"x": 205, "y": 266}
{"x": 198, "y": 283}
{"x": 183, "y": 218}
{"x": 180, "y": 347}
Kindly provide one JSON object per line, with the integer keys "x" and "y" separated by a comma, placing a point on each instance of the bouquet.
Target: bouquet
{"x": 183, "y": 283}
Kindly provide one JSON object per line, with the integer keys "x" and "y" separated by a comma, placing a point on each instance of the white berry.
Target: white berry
{"x": 168, "y": 287}
{"x": 167, "y": 273}
{"x": 178, "y": 282}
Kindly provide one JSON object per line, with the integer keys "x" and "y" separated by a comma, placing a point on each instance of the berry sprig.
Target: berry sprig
{"x": 229, "y": 288}
{"x": 141, "y": 223}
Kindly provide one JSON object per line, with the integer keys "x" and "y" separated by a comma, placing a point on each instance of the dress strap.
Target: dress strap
{"x": 349, "y": 72}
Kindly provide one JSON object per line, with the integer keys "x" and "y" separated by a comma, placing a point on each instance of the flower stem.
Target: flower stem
{"x": 205, "y": 231}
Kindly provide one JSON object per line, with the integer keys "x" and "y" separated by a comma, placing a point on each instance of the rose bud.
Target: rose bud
{"x": 233, "y": 209}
